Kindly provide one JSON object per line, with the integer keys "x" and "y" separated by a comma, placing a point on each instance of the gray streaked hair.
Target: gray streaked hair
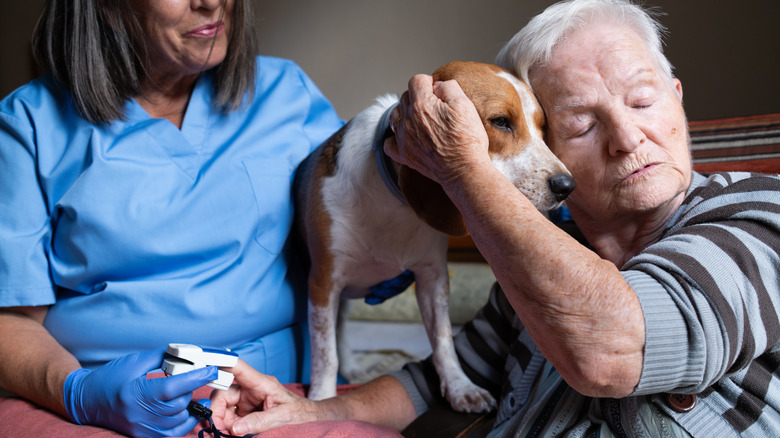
{"x": 92, "y": 48}
{"x": 533, "y": 45}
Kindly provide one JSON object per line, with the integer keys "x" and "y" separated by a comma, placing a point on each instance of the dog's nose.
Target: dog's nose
{"x": 561, "y": 184}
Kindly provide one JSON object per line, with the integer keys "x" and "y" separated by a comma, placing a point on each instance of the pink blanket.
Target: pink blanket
{"x": 21, "y": 419}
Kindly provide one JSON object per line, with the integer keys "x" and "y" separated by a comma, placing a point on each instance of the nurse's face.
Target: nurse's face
{"x": 179, "y": 35}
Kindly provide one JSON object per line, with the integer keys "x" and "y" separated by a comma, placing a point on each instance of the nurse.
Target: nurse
{"x": 145, "y": 190}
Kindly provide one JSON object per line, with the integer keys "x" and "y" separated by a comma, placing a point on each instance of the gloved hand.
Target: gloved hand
{"x": 389, "y": 288}
{"x": 120, "y": 397}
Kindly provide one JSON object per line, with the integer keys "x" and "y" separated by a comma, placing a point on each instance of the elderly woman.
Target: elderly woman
{"x": 145, "y": 191}
{"x": 662, "y": 322}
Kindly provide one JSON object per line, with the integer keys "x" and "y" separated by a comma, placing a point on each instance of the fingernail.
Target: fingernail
{"x": 240, "y": 429}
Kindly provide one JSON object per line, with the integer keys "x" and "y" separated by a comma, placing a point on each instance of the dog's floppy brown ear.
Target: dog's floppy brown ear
{"x": 431, "y": 204}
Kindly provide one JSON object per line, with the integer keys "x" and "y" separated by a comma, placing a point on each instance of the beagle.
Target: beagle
{"x": 367, "y": 219}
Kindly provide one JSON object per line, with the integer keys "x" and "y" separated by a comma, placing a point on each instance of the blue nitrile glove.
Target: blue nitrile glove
{"x": 389, "y": 288}
{"x": 120, "y": 397}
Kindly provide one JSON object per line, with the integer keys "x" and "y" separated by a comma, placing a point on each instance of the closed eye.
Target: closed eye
{"x": 584, "y": 132}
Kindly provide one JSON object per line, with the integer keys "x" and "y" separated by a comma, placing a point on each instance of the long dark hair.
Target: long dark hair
{"x": 89, "y": 48}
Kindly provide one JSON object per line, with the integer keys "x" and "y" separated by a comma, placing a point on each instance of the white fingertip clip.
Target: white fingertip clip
{"x": 182, "y": 358}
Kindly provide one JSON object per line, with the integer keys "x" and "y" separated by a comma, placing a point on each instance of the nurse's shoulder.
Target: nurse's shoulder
{"x": 40, "y": 113}
{"x": 40, "y": 97}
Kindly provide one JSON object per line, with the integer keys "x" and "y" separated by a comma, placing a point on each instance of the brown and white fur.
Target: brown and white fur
{"x": 359, "y": 234}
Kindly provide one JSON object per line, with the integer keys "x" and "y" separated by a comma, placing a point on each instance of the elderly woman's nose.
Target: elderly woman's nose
{"x": 626, "y": 135}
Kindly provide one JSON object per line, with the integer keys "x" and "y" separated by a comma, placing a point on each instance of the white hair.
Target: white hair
{"x": 532, "y": 46}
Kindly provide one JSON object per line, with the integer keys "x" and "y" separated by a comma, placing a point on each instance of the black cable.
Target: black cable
{"x": 201, "y": 412}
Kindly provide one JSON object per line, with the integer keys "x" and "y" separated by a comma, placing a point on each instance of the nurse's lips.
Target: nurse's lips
{"x": 207, "y": 31}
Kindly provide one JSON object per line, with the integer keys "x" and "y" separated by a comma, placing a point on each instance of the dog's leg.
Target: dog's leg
{"x": 348, "y": 365}
{"x": 323, "y": 306}
{"x": 433, "y": 299}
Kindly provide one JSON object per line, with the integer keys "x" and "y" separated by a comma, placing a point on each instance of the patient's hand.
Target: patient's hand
{"x": 258, "y": 402}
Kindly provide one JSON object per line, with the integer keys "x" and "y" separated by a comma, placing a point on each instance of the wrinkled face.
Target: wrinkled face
{"x": 179, "y": 34}
{"x": 513, "y": 120}
{"x": 616, "y": 122}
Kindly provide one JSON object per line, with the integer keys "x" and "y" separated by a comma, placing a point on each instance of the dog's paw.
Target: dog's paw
{"x": 468, "y": 397}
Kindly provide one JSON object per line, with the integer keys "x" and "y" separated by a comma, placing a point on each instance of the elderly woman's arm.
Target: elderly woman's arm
{"x": 578, "y": 308}
{"x": 258, "y": 403}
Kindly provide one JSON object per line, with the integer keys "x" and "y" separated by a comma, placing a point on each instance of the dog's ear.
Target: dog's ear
{"x": 431, "y": 204}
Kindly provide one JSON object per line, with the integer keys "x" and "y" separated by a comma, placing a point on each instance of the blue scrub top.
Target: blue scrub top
{"x": 139, "y": 234}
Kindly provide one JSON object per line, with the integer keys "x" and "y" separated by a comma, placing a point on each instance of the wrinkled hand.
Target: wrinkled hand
{"x": 438, "y": 131}
{"x": 257, "y": 403}
{"x": 120, "y": 397}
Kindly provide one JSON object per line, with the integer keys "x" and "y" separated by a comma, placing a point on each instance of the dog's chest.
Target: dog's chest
{"x": 370, "y": 223}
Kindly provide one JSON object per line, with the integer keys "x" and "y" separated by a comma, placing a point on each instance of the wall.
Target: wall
{"x": 728, "y": 57}
{"x": 727, "y": 54}
{"x": 16, "y": 24}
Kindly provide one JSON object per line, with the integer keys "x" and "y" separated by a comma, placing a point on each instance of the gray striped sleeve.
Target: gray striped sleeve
{"x": 709, "y": 288}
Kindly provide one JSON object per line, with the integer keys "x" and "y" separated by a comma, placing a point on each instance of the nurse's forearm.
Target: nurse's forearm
{"x": 577, "y": 307}
{"x": 34, "y": 364}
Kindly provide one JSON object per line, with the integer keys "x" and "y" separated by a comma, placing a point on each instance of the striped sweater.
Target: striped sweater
{"x": 710, "y": 293}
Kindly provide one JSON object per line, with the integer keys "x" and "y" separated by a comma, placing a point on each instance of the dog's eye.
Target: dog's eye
{"x": 500, "y": 122}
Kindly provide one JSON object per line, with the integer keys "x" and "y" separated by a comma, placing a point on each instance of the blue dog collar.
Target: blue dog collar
{"x": 383, "y": 162}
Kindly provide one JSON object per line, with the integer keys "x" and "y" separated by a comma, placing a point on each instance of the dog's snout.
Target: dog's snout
{"x": 561, "y": 185}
